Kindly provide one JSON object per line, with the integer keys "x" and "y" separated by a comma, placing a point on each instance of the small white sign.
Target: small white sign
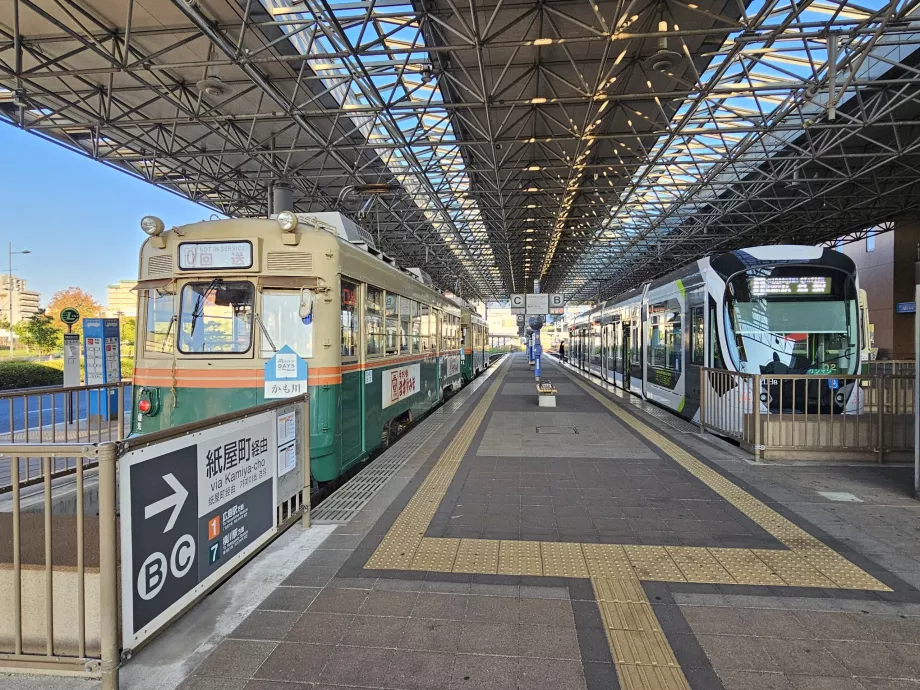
{"x": 369, "y": 376}
{"x": 286, "y": 430}
{"x": 400, "y": 383}
{"x": 284, "y": 389}
{"x": 285, "y": 366}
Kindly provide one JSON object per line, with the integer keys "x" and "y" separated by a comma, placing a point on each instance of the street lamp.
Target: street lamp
{"x": 10, "y": 288}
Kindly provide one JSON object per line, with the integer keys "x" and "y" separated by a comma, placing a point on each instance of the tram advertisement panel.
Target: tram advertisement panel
{"x": 400, "y": 383}
{"x": 452, "y": 366}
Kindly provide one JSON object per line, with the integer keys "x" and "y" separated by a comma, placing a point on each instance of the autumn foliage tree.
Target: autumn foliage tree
{"x": 74, "y": 297}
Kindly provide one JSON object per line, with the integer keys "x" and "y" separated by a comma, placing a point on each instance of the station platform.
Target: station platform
{"x": 585, "y": 547}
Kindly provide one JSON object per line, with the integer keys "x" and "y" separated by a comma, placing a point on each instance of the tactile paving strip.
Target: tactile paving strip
{"x": 643, "y": 657}
{"x": 345, "y": 502}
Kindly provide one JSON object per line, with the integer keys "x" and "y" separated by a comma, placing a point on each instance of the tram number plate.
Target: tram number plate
{"x": 833, "y": 384}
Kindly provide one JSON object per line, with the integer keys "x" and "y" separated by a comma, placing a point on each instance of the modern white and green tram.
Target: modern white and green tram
{"x": 778, "y": 309}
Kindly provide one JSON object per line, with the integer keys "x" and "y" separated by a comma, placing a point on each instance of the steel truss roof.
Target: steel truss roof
{"x": 589, "y": 144}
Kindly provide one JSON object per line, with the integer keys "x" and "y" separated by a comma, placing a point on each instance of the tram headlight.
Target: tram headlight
{"x": 287, "y": 221}
{"x": 152, "y": 225}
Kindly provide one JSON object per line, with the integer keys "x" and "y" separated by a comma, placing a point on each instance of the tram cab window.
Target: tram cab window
{"x": 216, "y": 317}
{"x": 392, "y": 322}
{"x": 405, "y": 327}
{"x": 349, "y": 319}
{"x": 283, "y": 325}
{"x": 373, "y": 321}
{"x": 160, "y": 332}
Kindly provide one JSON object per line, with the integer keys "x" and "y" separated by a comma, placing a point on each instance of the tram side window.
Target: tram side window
{"x": 715, "y": 347}
{"x": 349, "y": 319}
{"x": 283, "y": 325}
{"x": 634, "y": 344}
{"x": 698, "y": 335}
{"x": 373, "y": 320}
{"x": 392, "y": 319}
{"x": 415, "y": 309}
{"x": 405, "y": 321}
{"x": 216, "y": 317}
{"x": 161, "y": 331}
{"x": 665, "y": 337}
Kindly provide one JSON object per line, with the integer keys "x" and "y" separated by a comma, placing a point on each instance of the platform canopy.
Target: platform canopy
{"x": 591, "y": 145}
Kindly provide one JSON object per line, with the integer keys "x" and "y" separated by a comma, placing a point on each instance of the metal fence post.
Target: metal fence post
{"x": 755, "y": 402}
{"x": 881, "y": 397}
{"x": 702, "y": 399}
{"x": 307, "y": 484}
{"x": 108, "y": 567}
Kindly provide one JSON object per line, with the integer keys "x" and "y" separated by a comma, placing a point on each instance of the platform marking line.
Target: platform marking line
{"x": 833, "y": 567}
{"x": 642, "y": 656}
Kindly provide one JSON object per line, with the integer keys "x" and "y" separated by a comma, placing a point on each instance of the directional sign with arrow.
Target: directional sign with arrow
{"x": 173, "y": 502}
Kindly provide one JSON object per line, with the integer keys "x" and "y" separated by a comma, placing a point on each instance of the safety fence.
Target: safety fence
{"x": 77, "y": 414}
{"x": 92, "y": 567}
{"x": 812, "y": 417}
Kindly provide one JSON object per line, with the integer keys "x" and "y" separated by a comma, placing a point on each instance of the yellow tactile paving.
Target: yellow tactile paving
{"x": 831, "y": 567}
{"x": 644, "y": 660}
{"x": 520, "y": 558}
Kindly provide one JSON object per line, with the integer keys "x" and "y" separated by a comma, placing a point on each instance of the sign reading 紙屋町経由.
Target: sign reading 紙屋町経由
{"x": 191, "y": 509}
{"x": 400, "y": 383}
{"x": 285, "y": 375}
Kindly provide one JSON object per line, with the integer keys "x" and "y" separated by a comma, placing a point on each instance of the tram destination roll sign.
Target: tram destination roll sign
{"x": 192, "y": 508}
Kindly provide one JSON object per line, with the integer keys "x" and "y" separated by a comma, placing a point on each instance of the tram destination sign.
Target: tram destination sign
{"x": 209, "y": 256}
{"x": 192, "y": 508}
{"x": 790, "y": 285}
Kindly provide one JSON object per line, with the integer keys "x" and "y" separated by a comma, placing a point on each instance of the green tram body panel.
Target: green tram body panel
{"x": 346, "y": 420}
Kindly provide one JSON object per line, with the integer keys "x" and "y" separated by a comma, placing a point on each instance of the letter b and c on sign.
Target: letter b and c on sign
{"x": 153, "y": 573}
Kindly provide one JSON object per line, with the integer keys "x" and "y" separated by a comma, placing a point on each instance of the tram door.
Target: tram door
{"x": 624, "y": 355}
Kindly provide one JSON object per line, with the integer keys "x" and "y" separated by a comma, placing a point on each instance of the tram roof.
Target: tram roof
{"x": 593, "y": 145}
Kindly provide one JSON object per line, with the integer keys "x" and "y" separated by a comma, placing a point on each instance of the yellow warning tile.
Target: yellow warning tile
{"x": 607, "y": 560}
{"x": 436, "y": 555}
{"x": 842, "y": 572}
{"x": 653, "y": 563}
{"x": 622, "y": 590}
{"x": 639, "y": 677}
{"x": 699, "y": 565}
{"x": 563, "y": 560}
{"x": 648, "y": 648}
{"x": 792, "y": 569}
{"x": 477, "y": 556}
{"x": 520, "y": 558}
{"x": 745, "y": 567}
{"x": 621, "y": 616}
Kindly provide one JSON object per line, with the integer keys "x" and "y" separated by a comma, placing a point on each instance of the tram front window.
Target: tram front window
{"x": 216, "y": 317}
{"x": 793, "y": 320}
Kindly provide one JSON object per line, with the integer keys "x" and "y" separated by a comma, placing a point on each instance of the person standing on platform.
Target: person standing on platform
{"x": 562, "y": 350}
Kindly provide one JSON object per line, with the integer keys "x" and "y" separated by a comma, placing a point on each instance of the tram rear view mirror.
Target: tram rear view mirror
{"x": 306, "y": 305}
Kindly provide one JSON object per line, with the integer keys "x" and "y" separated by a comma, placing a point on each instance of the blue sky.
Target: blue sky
{"x": 79, "y": 218}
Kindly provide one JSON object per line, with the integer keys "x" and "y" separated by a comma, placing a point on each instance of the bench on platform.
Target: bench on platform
{"x": 546, "y": 393}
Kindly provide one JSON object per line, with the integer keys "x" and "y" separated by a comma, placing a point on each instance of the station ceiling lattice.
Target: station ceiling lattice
{"x": 591, "y": 145}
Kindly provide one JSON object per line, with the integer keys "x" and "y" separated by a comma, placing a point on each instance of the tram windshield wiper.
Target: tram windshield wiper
{"x": 198, "y": 311}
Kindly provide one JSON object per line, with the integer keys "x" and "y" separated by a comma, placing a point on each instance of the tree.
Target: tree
{"x": 74, "y": 297}
{"x": 39, "y": 332}
{"x": 128, "y": 330}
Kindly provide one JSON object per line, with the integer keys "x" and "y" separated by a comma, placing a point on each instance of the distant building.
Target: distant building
{"x": 25, "y": 302}
{"x": 120, "y": 300}
{"x": 889, "y": 268}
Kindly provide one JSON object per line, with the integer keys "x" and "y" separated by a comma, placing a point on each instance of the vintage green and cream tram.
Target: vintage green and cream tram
{"x": 474, "y": 340}
{"x": 219, "y": 299}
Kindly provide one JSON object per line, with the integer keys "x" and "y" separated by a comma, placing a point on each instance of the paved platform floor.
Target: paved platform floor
{"x": 590, "y": 546}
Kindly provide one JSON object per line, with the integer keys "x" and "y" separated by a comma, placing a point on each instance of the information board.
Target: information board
{"x": 191, "y": 509}
{"x": 537, "y": 304}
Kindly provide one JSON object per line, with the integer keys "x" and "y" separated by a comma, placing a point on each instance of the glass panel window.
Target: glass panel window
{"x": 349, "y": 319}
{"x": 665, "y": 341}
{"x": 405, "y": 327}
{"x": 161, "y": 331}
{"x": 427, "y": 319}
{"x": 698, "y": 333}
{"x": 283, "y": 325}
{"x": 373, "y": 319}
{"x": 216, "y": 317}
{"x": 416, "y": 325}
{"x": 392, "y": 318}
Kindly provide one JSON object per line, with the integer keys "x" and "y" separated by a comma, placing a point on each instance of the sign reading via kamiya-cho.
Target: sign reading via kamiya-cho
{"x": 285, "y": 375}
{"x": 400, "y": 383}
{"x": 191, "y": 509}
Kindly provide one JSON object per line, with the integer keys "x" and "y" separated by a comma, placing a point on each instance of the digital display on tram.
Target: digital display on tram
{"x": 790, "y": 285}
